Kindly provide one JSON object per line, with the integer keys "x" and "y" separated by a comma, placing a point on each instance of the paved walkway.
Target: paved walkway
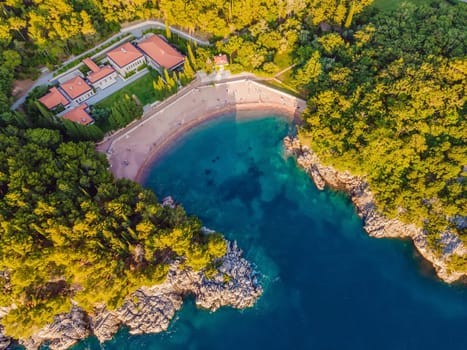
{"x": 135, "y": 29}
{"x": 120, "y": 84}
{"x": 131, "y": 149}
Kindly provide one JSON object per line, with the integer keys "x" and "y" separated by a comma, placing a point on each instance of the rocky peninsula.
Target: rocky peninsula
{"x": 150, "y": 309}
{"x": 376, "y": 224}
{"x": 129, "y": 151}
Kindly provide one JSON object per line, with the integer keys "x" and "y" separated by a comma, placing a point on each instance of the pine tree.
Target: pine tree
{"x": 116, "y": 118}
{"x": 168, "y": 33}
{"x": 95, "y": 133}
{"x": 43, "y": 110}
{"x": 188, "y": 70}
{"x": 71, "y": 129}
{"x": 191, "y": 56}
{"x": 348, "y": 21}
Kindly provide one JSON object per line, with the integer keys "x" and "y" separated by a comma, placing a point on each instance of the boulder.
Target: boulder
{"x": 4, "y": 340}
{"x": 150, "y": 309}
{"x": 375, "y": 223}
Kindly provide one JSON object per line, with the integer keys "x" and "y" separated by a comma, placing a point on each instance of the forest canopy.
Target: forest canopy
{"x": 69, "y": 230}
{"x": 390, "y": 103}
{"x": 386, "y": 99}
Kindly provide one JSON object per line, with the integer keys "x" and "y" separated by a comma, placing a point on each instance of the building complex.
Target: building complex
{"x": 160, "y": 54}
{"x": 122, "y": 61}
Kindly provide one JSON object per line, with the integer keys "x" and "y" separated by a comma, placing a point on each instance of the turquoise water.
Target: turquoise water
{"x": 327, "y": 284}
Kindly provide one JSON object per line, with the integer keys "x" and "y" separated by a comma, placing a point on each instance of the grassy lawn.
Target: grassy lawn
{"x": 142, "y": 88}
{"x": 283, "y": 60}
{"x": 286, "y": 77}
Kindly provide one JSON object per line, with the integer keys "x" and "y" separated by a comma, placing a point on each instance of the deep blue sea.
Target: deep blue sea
{"x": 327, "y": 285}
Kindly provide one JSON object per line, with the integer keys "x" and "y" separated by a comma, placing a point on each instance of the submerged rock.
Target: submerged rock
{"x": 150, "y": 309}
{"x": 4, "y": 340}
{"x": 168, "y": 202}
{"x": 376, "y": 224}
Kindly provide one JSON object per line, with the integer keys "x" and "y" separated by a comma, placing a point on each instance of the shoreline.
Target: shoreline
{"x": 133, "y": 150}
{"x": 159, "y": 151}
{"x": 130, "y": 151}
{"x": 150, "y": 309}
{"x": 374, "y": 223}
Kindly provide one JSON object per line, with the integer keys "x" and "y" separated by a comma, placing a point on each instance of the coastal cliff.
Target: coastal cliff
{"x": 4, "y": 340}
{"x": 376, "y": 224}
{"x": 150, "y": 309}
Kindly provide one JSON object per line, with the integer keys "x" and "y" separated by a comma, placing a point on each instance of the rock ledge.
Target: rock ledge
{"x": 150, "y": 309}
{"x": 376, "y": 224}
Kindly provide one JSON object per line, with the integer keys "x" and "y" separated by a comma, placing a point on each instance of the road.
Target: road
{"x": 138, "y": 29}
{"x": 135, "y": 29}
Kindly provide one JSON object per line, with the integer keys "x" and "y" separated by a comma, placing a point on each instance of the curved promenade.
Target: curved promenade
{"x": 132, "y": 149}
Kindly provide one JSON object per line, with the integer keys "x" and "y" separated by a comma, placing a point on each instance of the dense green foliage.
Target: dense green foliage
{"x": 125, "y": 105}
{"x": 124, "y": 111}
{"x": 389, "y": 102}
{"x": 386, "y": 99}
{"x": 69, "y": 230}
{"x": 36, "y": 33}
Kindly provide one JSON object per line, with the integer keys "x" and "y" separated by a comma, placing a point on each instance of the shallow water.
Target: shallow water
{"x": 327, "y": 284}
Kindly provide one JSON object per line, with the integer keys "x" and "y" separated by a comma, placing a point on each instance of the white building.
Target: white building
{"x": 126, "y": 58}
{"x": 100, "y": 77}
{"x": 160, "y": 54}
{"x": 77, "y": 89}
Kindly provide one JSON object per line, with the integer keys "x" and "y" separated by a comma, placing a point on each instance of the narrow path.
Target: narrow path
{"x": 286, "y": 69}
{"x": 134, "y": 29}
{"x": 130, "y": 149}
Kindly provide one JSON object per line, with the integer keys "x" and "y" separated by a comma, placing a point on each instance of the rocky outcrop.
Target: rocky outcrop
{"x": 150, "y": 309}
{"x": 376, "y": 224}
{"x": 66, "y": 330}
{"x": 4, "y": 340}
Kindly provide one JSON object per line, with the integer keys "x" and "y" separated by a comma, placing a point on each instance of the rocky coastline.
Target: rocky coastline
{"x": 376, "y": 224}
{"x": 150, "y": 309}
{"x": 4, "y": 340}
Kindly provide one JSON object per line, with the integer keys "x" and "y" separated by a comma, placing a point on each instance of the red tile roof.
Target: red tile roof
{"x": 124, "y": 54}
{"x": 75, "y": 87}
{"x": 91, "y": 65}
{"x": 102, "y": 73}
{"x": 220, "y": 60}
{"x": 161, "y": 52}
{"x": 97, "y": 73}
{"x": 79, "y": 115}
{"x": 53, "y": 98}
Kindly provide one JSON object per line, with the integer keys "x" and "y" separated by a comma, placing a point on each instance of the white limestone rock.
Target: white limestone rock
{"x": 376, "y": 224}
{"x": 150, "y": 309}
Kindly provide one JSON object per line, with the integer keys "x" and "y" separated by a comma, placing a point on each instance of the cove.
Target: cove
{"x": 327, "y": 284}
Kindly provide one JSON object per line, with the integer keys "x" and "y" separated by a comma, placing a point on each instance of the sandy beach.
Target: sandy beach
{"x": 131, "y": 150}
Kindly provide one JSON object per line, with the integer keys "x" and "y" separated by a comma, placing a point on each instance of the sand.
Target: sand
{"x": 131, "y": 150}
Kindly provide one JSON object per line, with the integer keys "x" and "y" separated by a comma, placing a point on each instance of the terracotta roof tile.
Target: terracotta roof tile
{"x": 100, "y": 74}
{"x": 53, "y": 98}
{"x": 124, "y": 54}
{"x": 97, "y": 73}
{"x": 79, "y": 115}
{"x": 161, "y": 52}
{"x": 91, "y": 65}
{"x": 75, "y": 87}
{"x": 220, "y": 60}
